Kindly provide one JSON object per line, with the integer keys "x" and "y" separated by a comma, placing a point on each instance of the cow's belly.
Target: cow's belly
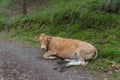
{"x": 68, "y": 54}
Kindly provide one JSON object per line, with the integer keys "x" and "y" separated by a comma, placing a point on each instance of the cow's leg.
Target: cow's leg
{"x": 76, "y": 63}
{"x": 80, "y": 61}
{"x": 50, "y": 55}
{"x": 69, "y": 60}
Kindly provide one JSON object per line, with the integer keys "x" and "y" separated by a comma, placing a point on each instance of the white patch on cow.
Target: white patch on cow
{"x": 51, "y": 57}
{"x": 43, "y": 47}
{"x": 75, "y": 63}
{"x": 69, "y": 60}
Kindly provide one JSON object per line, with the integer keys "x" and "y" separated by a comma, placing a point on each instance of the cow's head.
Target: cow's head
{"x": 44, "y": 40}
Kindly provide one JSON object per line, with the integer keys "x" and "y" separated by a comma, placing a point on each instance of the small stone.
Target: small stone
{"x": 109, "y": 72}
{"x": 105, "y": 79}
{"x": 116, "y": 70}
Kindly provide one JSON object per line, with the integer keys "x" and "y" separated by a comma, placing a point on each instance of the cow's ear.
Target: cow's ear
{"x": 49, "y": 38}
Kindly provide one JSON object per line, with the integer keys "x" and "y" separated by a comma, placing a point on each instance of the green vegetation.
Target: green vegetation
{"x": 3, "y": 16}
{"x": 2, "y": 21}
{"x": 111, "y": 6}
{"x": 77, "y": 19}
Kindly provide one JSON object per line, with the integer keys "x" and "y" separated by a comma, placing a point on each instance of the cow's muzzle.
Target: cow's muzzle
{"x": 43, "y": 47}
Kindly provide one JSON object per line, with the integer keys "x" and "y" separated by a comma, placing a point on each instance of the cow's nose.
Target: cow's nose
{"x": 43, "y": 47}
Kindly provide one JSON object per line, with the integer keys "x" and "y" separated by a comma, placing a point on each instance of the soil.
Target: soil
{"x": 20, "y": 61}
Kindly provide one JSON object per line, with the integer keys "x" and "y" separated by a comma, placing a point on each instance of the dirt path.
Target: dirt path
{"x": 18, "y": 61}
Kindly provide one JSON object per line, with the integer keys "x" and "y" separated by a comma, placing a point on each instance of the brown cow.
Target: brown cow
{"x": 74, "y": 51}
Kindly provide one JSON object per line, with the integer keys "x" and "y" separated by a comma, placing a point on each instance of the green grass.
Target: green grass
{"x": 77, "y": 19}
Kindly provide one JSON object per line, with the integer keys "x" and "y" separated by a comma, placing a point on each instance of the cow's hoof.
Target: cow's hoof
{"x": 85, "y": 64}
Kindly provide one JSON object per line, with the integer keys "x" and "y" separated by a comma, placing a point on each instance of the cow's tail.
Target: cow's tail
{"x": 96, "y": 54}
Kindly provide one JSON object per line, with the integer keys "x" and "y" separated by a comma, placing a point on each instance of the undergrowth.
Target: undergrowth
{"x": 3, "y": 14}
{"x": 110, "y": 6}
